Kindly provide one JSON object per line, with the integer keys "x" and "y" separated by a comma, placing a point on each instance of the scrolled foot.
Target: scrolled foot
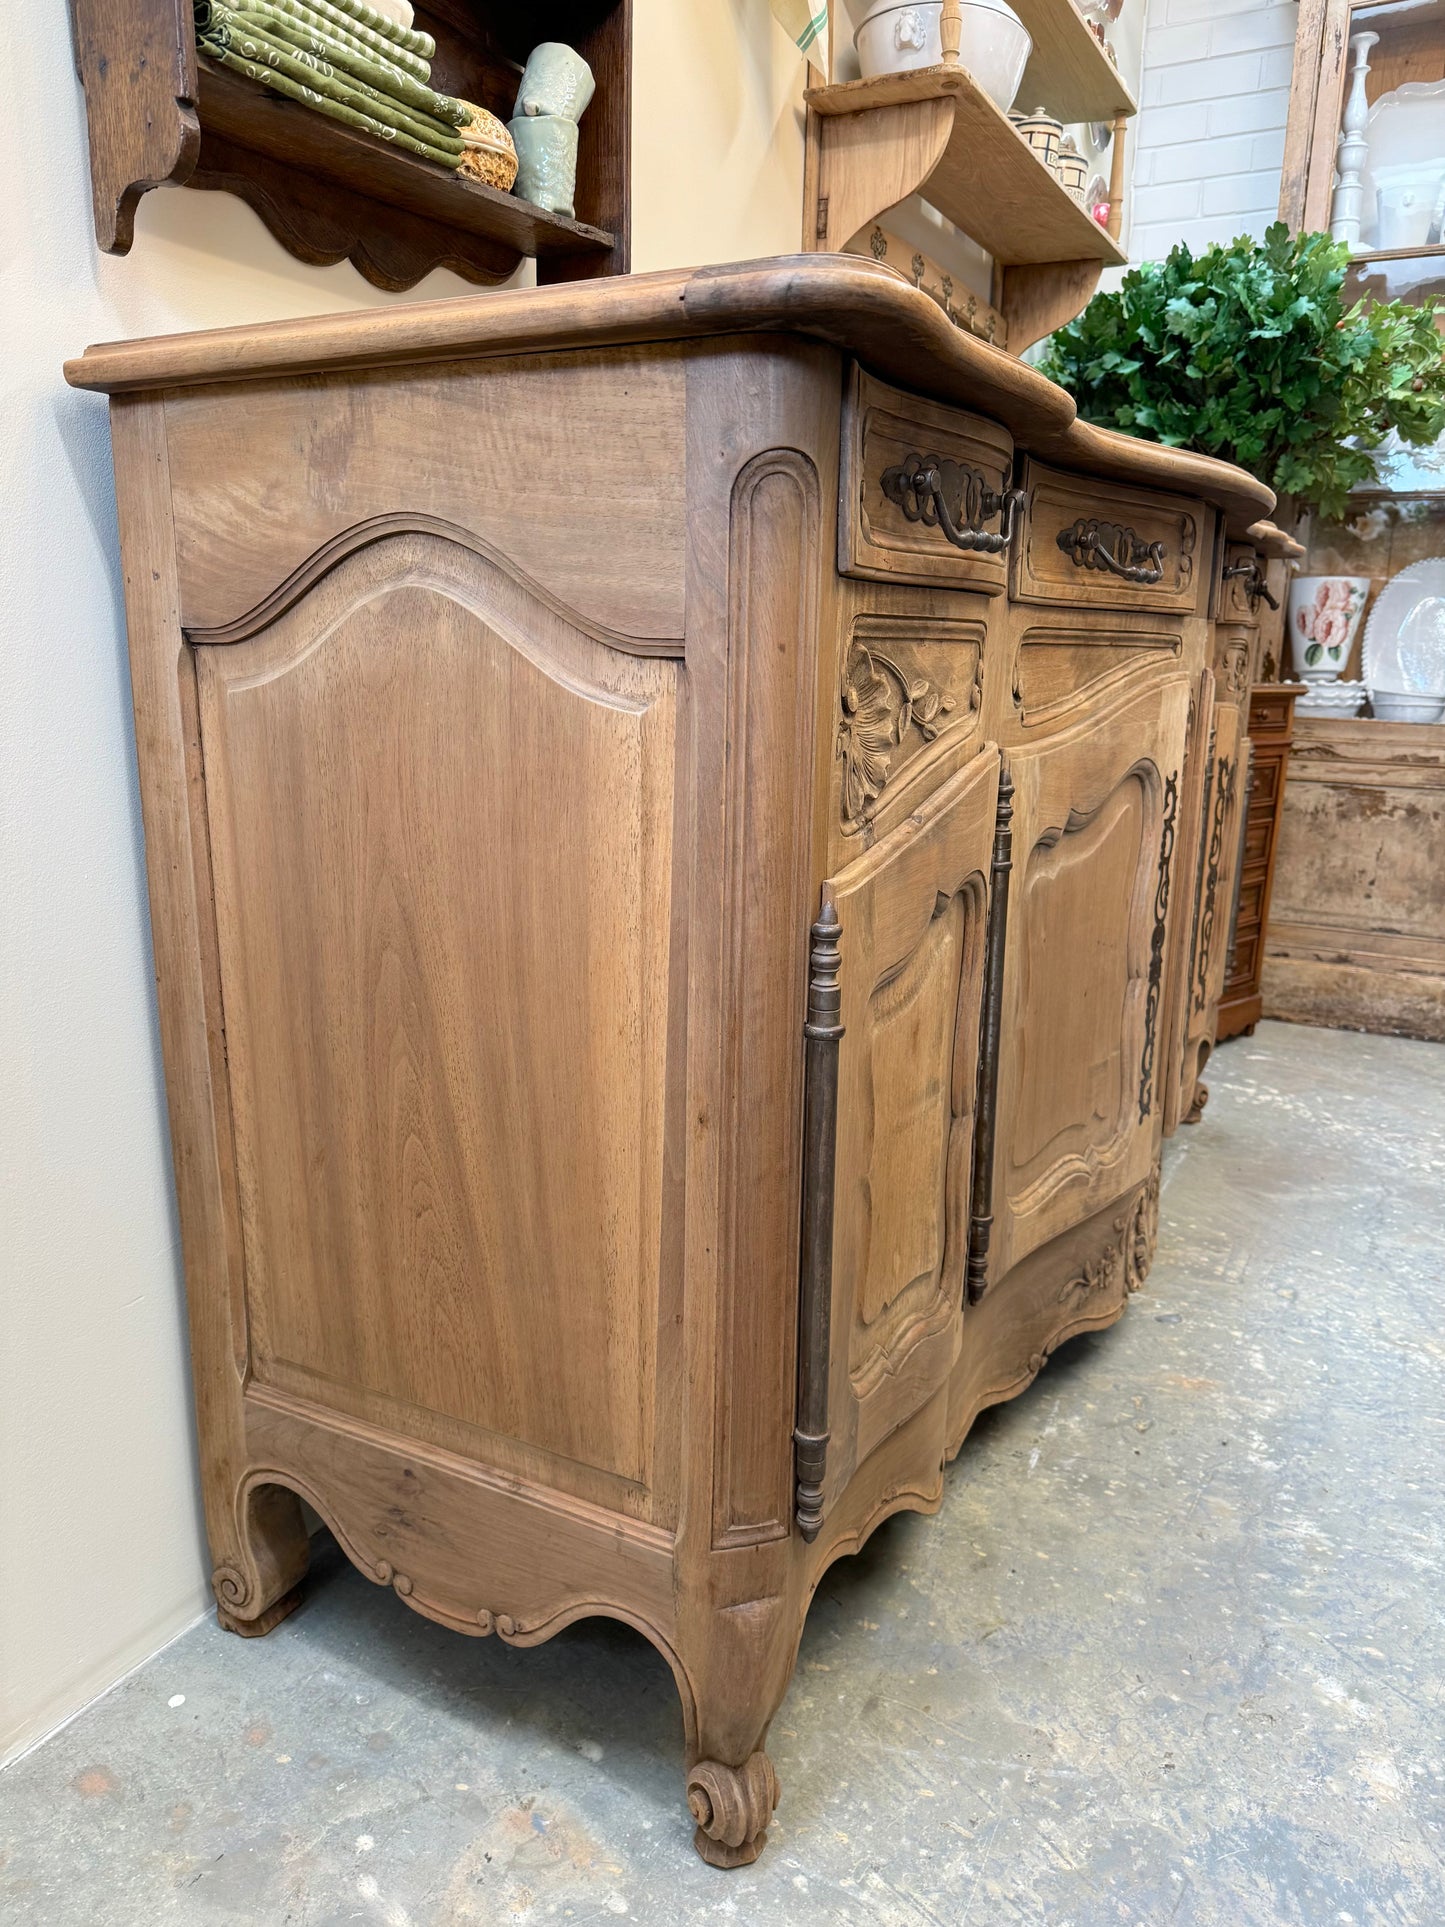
{"x": 732, "y": 1806}
{"x": 264, "y": 1623}
{"x": 1196, "y": 1109}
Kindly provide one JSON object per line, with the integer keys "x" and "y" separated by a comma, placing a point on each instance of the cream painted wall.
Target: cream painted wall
{"x": 717, "y": 133}
{"x": 99, "y": 1523}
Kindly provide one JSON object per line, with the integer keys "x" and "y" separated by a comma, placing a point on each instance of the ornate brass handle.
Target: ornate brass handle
{"x": 1091, "y": 544}
{"x": 1252, "y": 575}
{"x": 955, "y": 498}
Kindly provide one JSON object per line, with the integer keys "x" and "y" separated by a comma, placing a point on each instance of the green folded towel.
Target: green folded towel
{"x": 386, "y": 80}
{"x": 353, "y": 110}
{"x": 410, "y": 37}
{"x": 221, "y": 24}
{"x": 329, "y": 19}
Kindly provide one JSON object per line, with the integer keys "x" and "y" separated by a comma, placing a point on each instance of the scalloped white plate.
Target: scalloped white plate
{"x": 1405, "y": 633}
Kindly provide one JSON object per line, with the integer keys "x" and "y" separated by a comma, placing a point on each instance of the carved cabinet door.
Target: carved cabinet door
{"x": 1092, "y": 893}
{"x": 1219, "y": 852}
{"x": 913, "y": 917}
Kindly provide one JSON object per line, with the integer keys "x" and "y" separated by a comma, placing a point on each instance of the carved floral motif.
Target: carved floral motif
{"x": 1098, "y": 1276}
{"x": 1156, "y": 947}
{"x": 881, "y": 703}
{"x": 1223, "y": 787}
{"x": 1124, "y": 1264}
{"x": 1143, "y": 1236}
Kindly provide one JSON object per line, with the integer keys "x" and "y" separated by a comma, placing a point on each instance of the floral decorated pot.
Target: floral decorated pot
{"x": 1324, "y": 614}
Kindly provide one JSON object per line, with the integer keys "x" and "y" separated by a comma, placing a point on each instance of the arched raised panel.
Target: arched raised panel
{"x": 1089, "y": 916}
{"x": 442, "y": 826}
{"x": 914, "y": 916}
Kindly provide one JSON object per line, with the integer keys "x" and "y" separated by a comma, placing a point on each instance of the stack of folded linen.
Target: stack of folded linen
{"x": 341, "y": 58}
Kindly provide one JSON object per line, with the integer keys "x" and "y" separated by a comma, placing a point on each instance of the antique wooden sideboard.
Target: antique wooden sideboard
{"x": 689, "y": 826}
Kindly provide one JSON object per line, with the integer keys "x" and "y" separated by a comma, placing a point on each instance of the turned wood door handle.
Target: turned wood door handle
{"x": 956, "y": 499}
{"x": 1092, "y": 544}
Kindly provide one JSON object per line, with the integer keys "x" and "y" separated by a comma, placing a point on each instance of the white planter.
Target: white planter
{"x": 995, "y": 47}
{"x": 1324, "y": 614}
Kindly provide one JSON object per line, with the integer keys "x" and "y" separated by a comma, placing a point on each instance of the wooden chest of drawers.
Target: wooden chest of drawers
{"x": 1271, "y": 730}
{"x": 670, "y": 972}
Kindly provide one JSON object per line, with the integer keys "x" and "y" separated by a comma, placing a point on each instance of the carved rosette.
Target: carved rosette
{"x": 881, "y": 702}
{"x": 732, "y": 1806}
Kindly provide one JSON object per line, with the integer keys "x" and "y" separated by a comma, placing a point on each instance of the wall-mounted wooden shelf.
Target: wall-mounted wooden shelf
{"x": 935, "y": 133}
{"x": 1069, "y": 72}
{"x": 160, "y": 112}
{"x": 976, "y": 168}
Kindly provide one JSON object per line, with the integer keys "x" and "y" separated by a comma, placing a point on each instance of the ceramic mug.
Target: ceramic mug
{"x": 556, "y": 81}
{"x": 1324, "y": 614}
{"x": 546, "y": 147}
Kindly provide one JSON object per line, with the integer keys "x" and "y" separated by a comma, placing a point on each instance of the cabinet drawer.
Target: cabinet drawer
{"x": 1251, "y": 903}
{"x": 1244, "y": 965}
{"x": 1092, "y": 545}
{"x": 1237, "y": 589}
{"x": 1270, "y": 711}
{"x": 1257, "y": 830}
{"x": 1264, "y": 785}
{"x": 891, "y": 525}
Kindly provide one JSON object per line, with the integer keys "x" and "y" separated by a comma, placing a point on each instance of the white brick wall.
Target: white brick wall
{"x": 1209, "y": 140}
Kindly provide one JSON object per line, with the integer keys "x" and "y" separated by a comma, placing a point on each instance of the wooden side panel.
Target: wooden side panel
{"x": 1095, "y": 819}
{"x": 571, "y": 469}
{"x": 914, "y": 913}
{"x": 442, "y": 824}
{"x": 775, "y": 526}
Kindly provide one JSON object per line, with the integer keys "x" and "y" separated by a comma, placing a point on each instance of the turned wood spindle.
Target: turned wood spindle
{"x": 1116, "y": 177}
{"x": 950, "y": 31}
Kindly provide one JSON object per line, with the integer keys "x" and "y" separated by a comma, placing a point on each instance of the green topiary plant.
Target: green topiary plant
{"x": 1249, "y": 352}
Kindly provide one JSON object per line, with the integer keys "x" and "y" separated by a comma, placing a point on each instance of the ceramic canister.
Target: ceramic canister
{"x": 1073, "y": 169}
{"x": 546, "y": 147}
{"x": 1043, "y": 134}
{"x": 556, "y": 80}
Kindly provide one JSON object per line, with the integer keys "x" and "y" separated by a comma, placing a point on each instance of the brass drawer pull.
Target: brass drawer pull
{"x": 953, "y": 497}
{"x": 1091, "y": 544}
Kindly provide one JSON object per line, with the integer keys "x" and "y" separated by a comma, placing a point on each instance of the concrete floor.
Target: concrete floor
{"x": 1173, "y": 1651}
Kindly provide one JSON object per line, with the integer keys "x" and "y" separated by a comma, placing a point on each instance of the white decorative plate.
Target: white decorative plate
{"x": 1405, "y": 633}
{"x": 1405, "y": 172}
